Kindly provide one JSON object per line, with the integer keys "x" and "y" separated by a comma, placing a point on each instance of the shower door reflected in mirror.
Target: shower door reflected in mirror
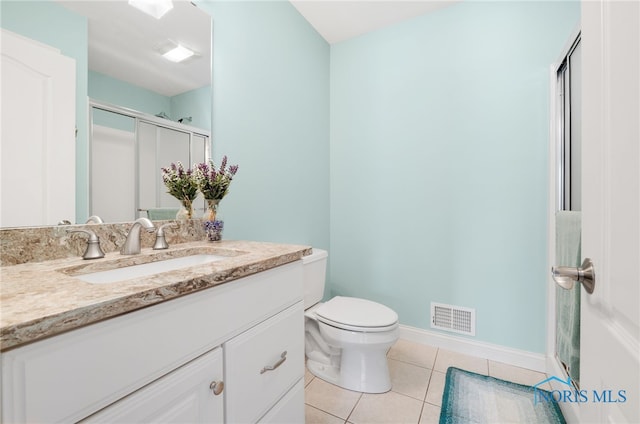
{"x": 159, "y": 147}
{"x": 113, "y": 166}
{"x": 128, "y": 150}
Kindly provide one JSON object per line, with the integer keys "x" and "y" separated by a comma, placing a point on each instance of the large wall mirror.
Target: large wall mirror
{"x": 121, "y": 71}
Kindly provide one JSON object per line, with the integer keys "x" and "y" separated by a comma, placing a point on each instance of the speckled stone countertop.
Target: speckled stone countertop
{"x": 43, "y": 299}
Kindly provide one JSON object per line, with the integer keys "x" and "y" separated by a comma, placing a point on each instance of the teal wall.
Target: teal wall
{"x": 196, "y": 104}
{"x": 117, "y": 92}
{"x": 439, "y": 141}
{"x": 271, "y": 117}
{"x": 52, "y": 24}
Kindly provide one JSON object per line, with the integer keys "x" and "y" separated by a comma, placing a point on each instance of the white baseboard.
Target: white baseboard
{"x": 507, "y": 355}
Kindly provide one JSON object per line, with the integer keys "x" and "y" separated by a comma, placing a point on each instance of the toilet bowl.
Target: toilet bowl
{"x": 346, "y": 338}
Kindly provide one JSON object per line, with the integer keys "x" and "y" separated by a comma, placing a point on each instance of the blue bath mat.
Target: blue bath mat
{"x": 473, "y": 398}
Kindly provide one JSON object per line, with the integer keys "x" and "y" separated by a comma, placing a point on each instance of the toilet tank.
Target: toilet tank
{"x": 314, "y": 272}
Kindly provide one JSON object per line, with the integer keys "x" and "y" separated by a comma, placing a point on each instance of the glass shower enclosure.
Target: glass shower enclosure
{"x": 127, "y": 151}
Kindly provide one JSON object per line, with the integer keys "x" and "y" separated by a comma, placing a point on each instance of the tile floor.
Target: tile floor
{"x": 417, "y": 378}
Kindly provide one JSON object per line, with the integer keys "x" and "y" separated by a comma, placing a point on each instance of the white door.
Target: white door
{"x": 610, "y": 317}
{"x": 37, "y": 145}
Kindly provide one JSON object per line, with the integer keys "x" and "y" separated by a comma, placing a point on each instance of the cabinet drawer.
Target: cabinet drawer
{"x": 251, "y": 386}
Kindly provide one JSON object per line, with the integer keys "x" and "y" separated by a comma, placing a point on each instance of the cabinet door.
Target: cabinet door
{"x": 262, "y": 364}
{"x": 183, "y": 396}
{"x": 290, "y": 409}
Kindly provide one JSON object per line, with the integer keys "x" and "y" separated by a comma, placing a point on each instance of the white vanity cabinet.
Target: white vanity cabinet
{"x": 159, "y": 364}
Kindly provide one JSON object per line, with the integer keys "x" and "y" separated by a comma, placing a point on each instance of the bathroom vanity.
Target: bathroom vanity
{"x": 216, "y": 342}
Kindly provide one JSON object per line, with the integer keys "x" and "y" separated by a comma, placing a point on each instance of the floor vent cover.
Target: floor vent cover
{"x": 456, "y": 319}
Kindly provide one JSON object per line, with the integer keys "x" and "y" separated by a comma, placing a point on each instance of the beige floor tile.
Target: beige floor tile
{"x": 413, "y": 353}
{"x": 390, "y": 407}
{"x": 517, "y": 374}
{"x": 447, "y": 358}
{"x": 436, "y": 388}
{"x": 329, "y": 398}
{"x": 430, "y": 414}
{"x": 315, "y": 416}
{"x": 409, "y": 379}
{"x": 308, "y": 377}
{"x": 415, "y": 369}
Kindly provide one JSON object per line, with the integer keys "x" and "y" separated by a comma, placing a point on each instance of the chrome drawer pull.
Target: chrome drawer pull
{"x": 283, "y": 357}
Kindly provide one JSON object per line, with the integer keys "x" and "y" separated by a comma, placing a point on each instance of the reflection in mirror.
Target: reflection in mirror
{"x": 112, "y": 194}
{"x": 118, "y": 54}
{"x": 128, "y": 149}
{"x": 127, "y": 45}
{"x": 37, "y": 178}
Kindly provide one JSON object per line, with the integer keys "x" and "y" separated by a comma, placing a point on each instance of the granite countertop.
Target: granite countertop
{"x": 44, "y": 299}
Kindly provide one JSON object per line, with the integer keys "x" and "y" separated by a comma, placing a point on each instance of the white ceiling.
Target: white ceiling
{"x": 124, "y": 42}
{"x": 339, "y": 20}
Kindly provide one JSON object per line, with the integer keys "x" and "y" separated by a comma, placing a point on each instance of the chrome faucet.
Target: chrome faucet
{"x": 131, "y": 245}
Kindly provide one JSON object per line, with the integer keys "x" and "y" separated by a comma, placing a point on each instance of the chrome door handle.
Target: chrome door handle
{"x": 283, "y": 357}
{"x": 566, "y": 276}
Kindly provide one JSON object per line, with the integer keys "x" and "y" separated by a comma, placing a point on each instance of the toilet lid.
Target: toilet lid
{"x": 354, "y": 312}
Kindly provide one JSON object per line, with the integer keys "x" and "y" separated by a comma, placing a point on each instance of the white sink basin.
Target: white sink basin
{"x": 148, "y": 269}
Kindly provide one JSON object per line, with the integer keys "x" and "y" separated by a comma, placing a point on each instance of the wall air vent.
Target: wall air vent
{"x": 456, "y": 319}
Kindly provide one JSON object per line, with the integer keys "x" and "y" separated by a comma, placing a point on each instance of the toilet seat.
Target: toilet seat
{"x": 350, "y": 313}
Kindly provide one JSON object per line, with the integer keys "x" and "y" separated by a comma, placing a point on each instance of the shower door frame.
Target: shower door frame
{"x": 556, "y": 202}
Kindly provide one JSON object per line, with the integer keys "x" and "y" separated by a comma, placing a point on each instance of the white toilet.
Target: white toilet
{"x": 346, "y": 338}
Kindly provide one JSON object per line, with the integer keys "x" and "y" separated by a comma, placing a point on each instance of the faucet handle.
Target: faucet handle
{"x": 168, "y": 225}
{"x": 161, "y": 241}
{"x": 93, "y": 250}
{"x": 94, "y": 219}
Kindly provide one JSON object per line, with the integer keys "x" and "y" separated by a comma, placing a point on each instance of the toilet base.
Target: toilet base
{"x": 360, "y": 370}
{"x": 324, "y": 372}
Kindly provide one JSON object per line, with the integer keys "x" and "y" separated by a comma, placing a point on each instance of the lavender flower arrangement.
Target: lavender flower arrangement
{"x": 214, "y": 183}
{"x": 181, "y": 185}
{"x": 214, "y": 229}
